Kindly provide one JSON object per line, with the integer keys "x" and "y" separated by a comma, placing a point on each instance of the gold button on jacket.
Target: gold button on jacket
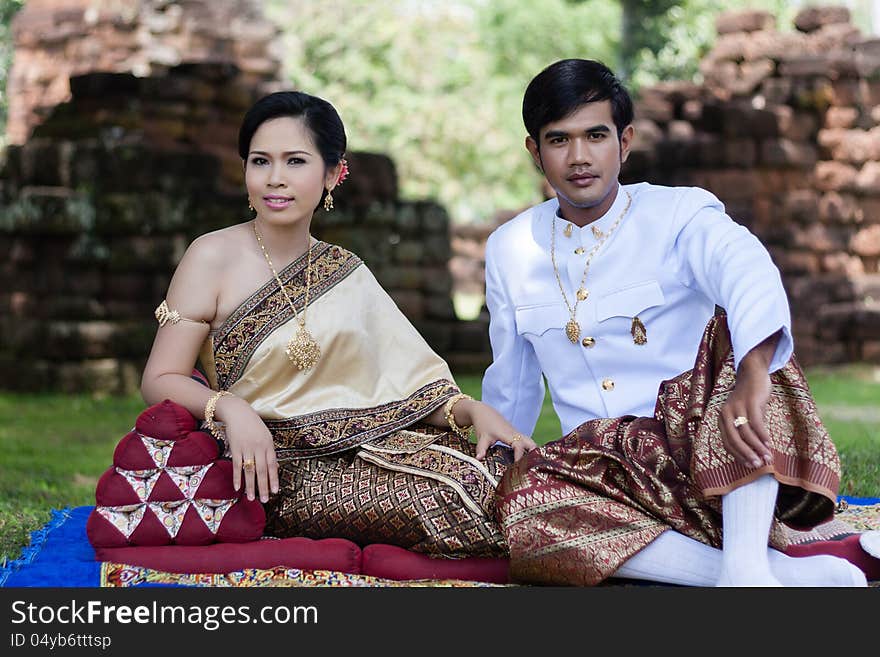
{"x": 588, "y": 342}
{"x": 608, "y": 384}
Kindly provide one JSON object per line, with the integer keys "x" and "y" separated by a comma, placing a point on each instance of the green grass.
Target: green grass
{"x": 849, "y": 404}
{"x": 55, "y": 447}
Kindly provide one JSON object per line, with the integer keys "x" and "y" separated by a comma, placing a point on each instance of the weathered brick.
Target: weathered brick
{"x": 843, "y": 263}
{"x": 788, "y": 153}
{"x": 866, "y": 242}
{"x": 811, "y": 19}
{"x": 749, "y": 20}
{"x": 837, "y": 207}
{"x": 868, "y": 178}
{"x": 835, "y": 176}
{"x": 841, "y": 117}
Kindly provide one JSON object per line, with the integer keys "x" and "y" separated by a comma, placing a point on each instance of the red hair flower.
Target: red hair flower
{"x": 343, "y": 173}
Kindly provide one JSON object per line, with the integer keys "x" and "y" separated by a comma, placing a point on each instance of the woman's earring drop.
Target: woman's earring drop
{"x": 328, "y": 201}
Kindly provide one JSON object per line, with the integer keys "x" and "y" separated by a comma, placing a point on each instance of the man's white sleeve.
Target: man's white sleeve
{"x": 732, "y": 268}
{"x": 513, "y": 383}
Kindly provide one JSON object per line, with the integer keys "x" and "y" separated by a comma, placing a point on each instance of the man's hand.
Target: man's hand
{"x": 748, "y": 441}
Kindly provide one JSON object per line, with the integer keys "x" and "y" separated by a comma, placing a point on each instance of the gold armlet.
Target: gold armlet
{"x": 464, "y": 432}
{"x": 164, "y": 314}
{"x": 209, "y": 414}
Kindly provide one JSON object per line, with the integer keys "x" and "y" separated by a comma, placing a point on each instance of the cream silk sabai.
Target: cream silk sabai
{"x": 370, "y": 355}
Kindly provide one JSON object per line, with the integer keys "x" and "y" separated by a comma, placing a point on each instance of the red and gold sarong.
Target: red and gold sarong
{"x": 574, "y": 510}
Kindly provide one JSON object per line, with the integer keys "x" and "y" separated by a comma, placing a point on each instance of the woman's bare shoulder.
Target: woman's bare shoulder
{"x": 219, "y": 248}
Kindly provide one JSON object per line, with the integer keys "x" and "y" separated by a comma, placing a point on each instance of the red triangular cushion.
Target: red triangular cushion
{"x": 150, "y": 531}
{"x": 198, "y": 448}
{"x": 102, "y": 533}
{"x": 132, "y": 454}
{"x": 114, "y": 490}
{"x": 166, "y": 421}
{"x": 169, "y": 486}
{"x": 243, "y": 522}
{"x": 217, "y": 484}
{"x": 194, "y": 531}
{"x": 165, "y": 490}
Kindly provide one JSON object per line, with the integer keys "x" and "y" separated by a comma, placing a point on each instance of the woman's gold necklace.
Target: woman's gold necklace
{"x": 302, "y": 349}
{"x": 572, "y": 328}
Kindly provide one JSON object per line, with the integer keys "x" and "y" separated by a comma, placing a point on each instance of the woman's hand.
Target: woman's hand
{"x": 490, "y": 427}
{"x": 251, "y": 447}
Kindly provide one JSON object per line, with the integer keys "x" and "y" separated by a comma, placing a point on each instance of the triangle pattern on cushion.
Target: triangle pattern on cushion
{"x": 166, "y": 489}
{"x": 217, "y": 483}
{"x": 114, "y": 490}
{"x": 188, "y": 478}
{"x": 198, "y": 448}
{"x": 166, "y": 420}
{"x": 212, "y": 511}
{"x": 124, "y": 518}
{"x": 142, "y": 481}
{"x": 193, "y": 530}
{"x": 158, "y": 449}
{"x": 170, "y": 514}
{"x": 131, "y": 453}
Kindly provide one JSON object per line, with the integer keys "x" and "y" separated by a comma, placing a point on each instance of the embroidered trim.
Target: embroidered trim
{"x": 244, "y": 330}
{"x": 466, "y": 499}
{"x": 464, "y": 457}
{"x": 336, "y": 430}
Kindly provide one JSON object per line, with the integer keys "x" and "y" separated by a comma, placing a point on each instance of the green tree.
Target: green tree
{"x": 8, "y": 9}
{"x": 438, "y": 85}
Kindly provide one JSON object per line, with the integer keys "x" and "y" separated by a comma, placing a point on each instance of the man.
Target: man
{"x": 606, "y": 291}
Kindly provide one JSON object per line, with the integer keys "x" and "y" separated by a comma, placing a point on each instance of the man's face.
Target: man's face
{"x": 580, "y": 156}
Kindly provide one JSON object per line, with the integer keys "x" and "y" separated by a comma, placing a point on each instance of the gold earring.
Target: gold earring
{"x": 328, "y": 201}
{"x": 251, "y": 206}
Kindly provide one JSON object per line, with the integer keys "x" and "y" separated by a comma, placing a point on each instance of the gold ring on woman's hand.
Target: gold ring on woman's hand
{"x": 740, "y": 420}
{"x": 248, "y": 464}
{"x": 516, "y": 437}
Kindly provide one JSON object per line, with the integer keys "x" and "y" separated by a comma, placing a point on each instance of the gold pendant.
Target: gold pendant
{"x": 302, "y": 350}
{"x": 567, "y": 231}
{"x": 573, "y": 331}
{"x": 639, "y": 333}
{"x": 582, "y": 294}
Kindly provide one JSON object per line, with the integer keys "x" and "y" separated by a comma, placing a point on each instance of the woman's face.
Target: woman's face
{"x": 284, "y": 171}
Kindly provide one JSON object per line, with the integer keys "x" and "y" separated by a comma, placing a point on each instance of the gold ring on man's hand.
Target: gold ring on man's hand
{"x": 740, "y": 420}
{"x": 248, "y": 464}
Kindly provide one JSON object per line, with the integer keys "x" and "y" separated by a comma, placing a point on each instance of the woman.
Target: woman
{"x": 332, "y": 405}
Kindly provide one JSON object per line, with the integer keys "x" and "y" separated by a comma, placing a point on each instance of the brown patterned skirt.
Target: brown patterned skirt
{"x": 418, "y": 489}
{"x": 574, "y": 510}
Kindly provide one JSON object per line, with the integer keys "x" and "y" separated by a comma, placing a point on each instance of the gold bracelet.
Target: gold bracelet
{"x": 464, "y": 432}
{"x": 209, "y": 413}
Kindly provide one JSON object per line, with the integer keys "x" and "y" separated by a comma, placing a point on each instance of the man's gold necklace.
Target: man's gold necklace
{"x": 572, "y": 328}
{"x": 302, "y": 349}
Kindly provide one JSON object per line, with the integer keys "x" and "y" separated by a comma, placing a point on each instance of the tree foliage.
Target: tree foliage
{"x": 8, "y": 9}
{"x": 438, "y": 85}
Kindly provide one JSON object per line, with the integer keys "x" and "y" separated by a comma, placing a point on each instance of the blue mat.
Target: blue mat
{"x": 59, "y": 554}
